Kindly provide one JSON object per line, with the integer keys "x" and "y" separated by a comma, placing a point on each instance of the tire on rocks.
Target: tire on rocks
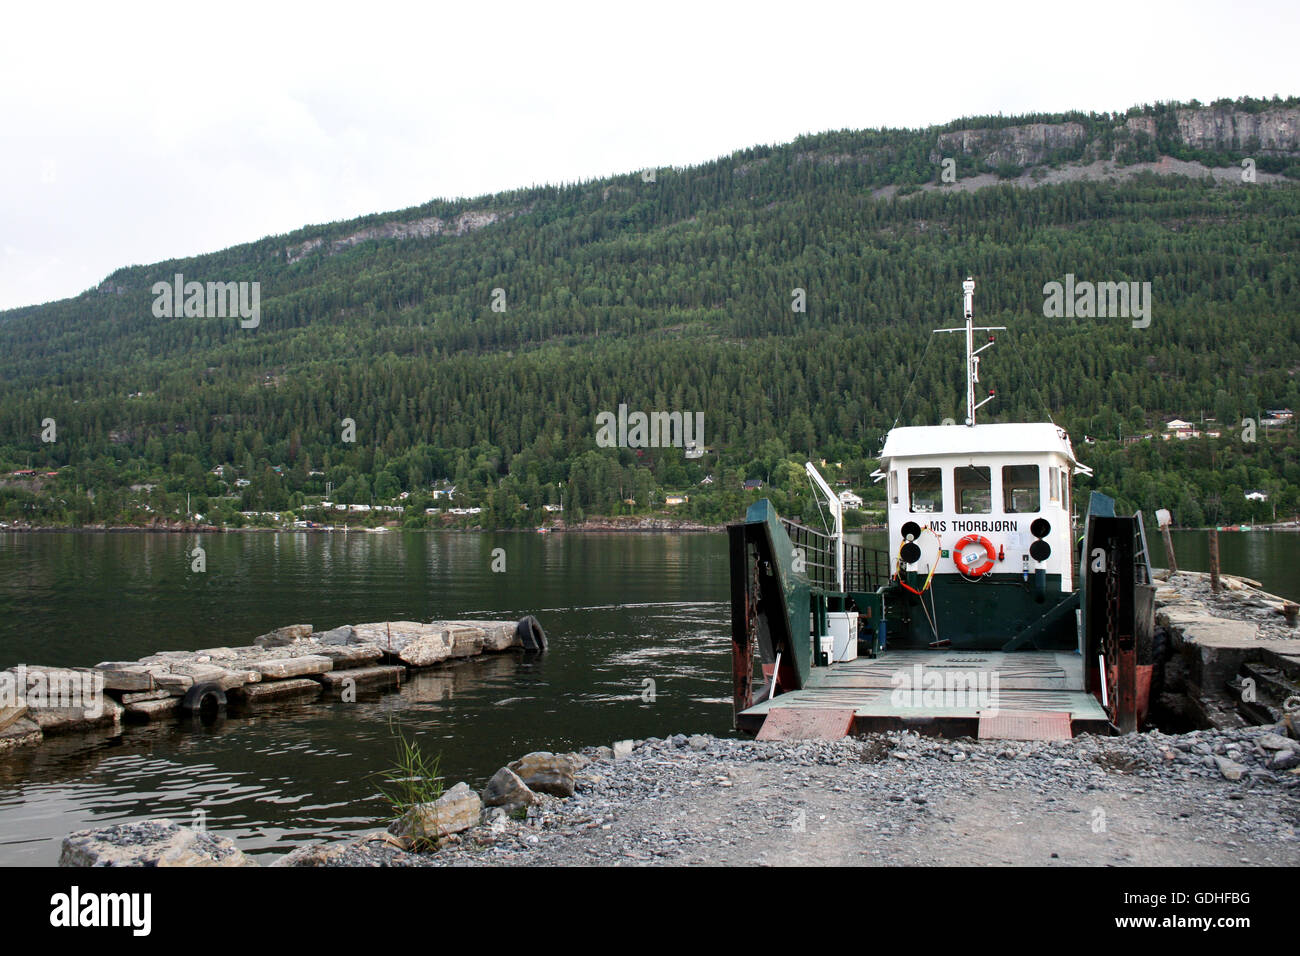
{"x": 206, "y": 701}
{"x": 531, "y": 634}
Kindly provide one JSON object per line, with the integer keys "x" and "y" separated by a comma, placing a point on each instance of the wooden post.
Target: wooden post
{"x": 1214, "y": 559}
{"x": 1163, "y": 518}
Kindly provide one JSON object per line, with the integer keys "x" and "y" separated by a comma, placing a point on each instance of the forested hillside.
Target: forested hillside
{"x": 474, "y": 342}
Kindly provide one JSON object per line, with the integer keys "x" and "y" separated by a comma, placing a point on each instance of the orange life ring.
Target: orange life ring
{"x": 959, "y": 557}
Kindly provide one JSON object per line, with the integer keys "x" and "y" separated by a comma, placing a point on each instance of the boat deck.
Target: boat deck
{"x": 950, "y": 688}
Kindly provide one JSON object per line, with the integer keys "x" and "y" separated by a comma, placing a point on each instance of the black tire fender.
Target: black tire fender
{"x": 206, "y": 699}
{"x": 530, "y": 634}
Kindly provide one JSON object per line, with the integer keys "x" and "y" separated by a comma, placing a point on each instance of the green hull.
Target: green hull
{"x": 988, "y": 614}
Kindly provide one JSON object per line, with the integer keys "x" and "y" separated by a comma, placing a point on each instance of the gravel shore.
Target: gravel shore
{"x": 1203, "y": 798}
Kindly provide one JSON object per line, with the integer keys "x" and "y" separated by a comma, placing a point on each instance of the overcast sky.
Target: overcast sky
{"x": 140, "y": 132}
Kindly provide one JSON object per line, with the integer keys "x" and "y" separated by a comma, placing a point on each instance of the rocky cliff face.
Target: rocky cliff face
{"x": 1275, "y": 131}
{"x": 1271, "y": 132}
{"x": 1022, "y": 145}
{"x": 419, "y": 229}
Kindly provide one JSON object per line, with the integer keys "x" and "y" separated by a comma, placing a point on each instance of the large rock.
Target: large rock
{"x": 233, "y": 679}
{"x": 135, "y": 697}
{"x": 429, "y": 650}
{"x": 316, "y": 854}
{"x": 200, "y": 673}
{"x": 286, "y": 667}
{"x": 458, "y": 638}
{"x": 143, "y": 711}
{"x": 465, "y": 641}
{"x": 278, "y": 691}
{"x": 20, "y": 733}
{"x": 392, "y": 636}
{"x": 63, "y": 720}
{"x": 1272, "y": 741}
{"x": 150, "y": 843}
{"x": 497, "y": 635}
{"x": 507, "y": 790}
{"x": 337, "y": 635}
{"x": 1230, "y": 769}
{"x": 174, "y": 684}
{"x": 456, "y": 810}
{"x": 340, "y": 852}
{"x": 546, "y": 772}
{"x": 282, "y": 636}
{"x": 354, "y": 655}
{"x": 66, "y": 700}
{"x": 133, "y": 677}
{"x": 180, "y": 677}
{"x": 579, "y": 761}
{"x": 11, "y": 714}
{"x": 494, "y": 635}
{"x": 1284, "y": 760}
{"x": 381, "y": 675}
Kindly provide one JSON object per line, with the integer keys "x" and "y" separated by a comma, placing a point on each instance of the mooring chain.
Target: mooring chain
{"x": 751, "y": 629}
{"x": 1111, "y": 640}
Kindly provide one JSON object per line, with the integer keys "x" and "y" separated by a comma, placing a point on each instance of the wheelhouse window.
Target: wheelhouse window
{"x": 1020, "y": 491}
{"x": 893, "y": 486}
{"x": 925, "y": 489}
{"x": 1053, "y": 484}
{"x": 974, "y": 489}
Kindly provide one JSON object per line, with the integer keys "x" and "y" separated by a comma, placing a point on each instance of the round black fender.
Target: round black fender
{"x": 206, "y": 700}
{"x": 531, "y": 634}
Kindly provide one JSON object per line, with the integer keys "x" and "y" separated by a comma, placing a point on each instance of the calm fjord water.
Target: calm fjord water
{"x": 620, "y": 610}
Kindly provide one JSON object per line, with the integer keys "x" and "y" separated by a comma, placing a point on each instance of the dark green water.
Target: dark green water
{"x": 621, "y": 611}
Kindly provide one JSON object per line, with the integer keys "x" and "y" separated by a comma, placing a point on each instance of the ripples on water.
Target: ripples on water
{"x": 619, "y": 610}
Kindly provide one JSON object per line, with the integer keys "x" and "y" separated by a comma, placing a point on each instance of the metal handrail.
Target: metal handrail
{"x": 865, "y": 569}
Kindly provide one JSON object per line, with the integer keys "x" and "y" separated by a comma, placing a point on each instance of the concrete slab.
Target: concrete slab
{"x": 807, "y": 723}
{"x": 1025, "y": 726}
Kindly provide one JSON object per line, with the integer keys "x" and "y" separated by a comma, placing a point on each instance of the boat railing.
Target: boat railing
{"x": 865, "y": 569}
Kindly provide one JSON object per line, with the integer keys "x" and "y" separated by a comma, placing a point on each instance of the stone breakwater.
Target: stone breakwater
{"x": 1226, "y": 659}
{"x": 1202, "y": 798}
{"x": 293, "y": 663}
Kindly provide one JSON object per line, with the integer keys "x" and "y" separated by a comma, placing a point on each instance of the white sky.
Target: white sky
{"x": 138, "y": 132}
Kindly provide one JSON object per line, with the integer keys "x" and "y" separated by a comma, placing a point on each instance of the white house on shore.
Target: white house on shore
{"x": 849, "y": 500}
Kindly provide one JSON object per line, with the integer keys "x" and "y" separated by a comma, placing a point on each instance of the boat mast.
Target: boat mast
{"x": 972, "y": 353}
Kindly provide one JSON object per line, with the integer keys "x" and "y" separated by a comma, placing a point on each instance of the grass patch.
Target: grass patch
{"x": 412, "y": 781}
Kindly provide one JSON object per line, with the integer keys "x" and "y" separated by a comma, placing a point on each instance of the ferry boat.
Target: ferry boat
{"x": 986, "y": 616}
